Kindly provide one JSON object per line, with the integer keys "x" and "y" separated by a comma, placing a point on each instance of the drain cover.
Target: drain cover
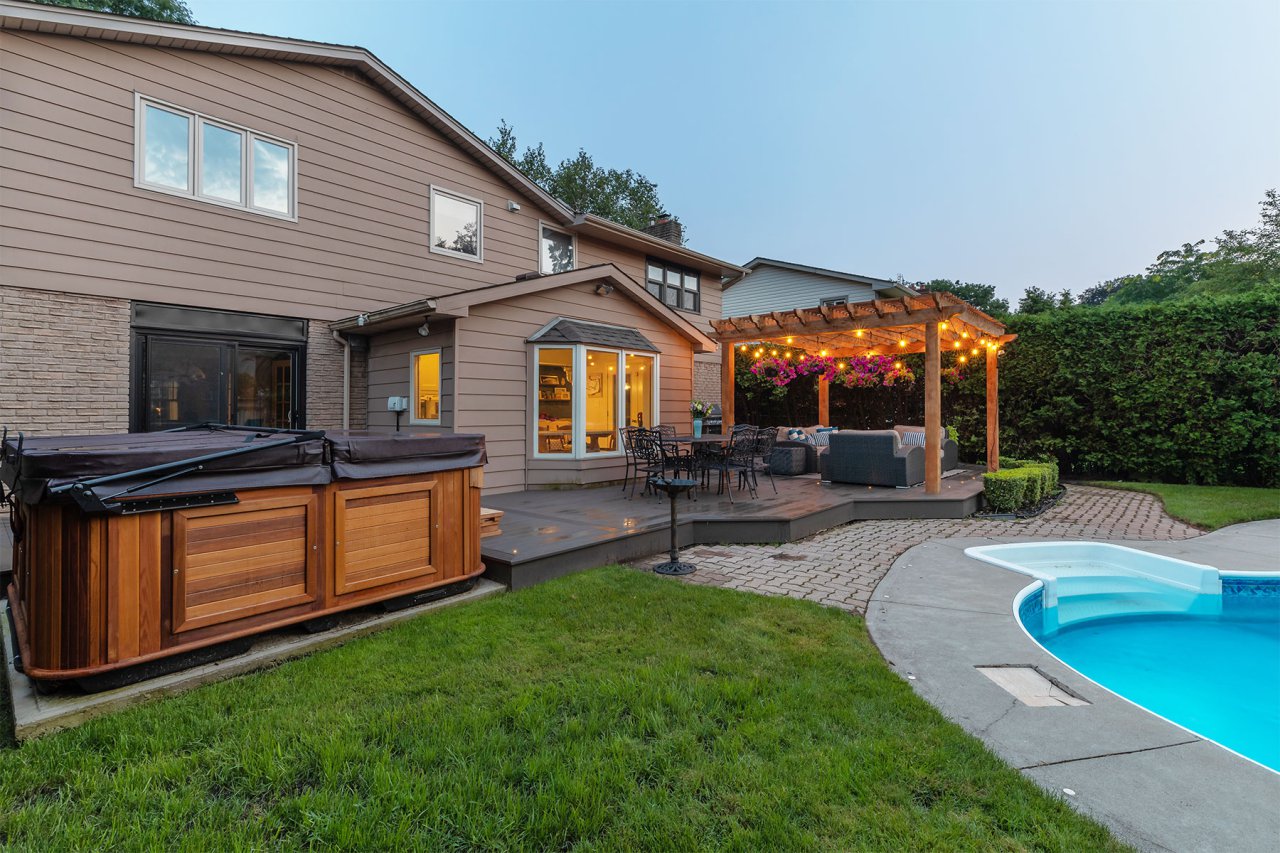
{"x": 1030, "y": 686}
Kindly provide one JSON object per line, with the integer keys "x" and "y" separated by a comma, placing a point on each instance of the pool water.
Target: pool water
{"x": 1216, "y": 674}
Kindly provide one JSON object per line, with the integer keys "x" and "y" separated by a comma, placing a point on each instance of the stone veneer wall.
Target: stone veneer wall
{"x": 706, "y": 381}
{"x": 324, "y": 381}
{"x": 64, "y": 362}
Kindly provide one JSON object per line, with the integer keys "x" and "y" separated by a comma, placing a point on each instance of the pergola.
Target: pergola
{"x": 929, "y": 323}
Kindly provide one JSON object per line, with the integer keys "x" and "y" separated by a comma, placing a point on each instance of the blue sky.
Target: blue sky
{"x": 1013, "y": 143}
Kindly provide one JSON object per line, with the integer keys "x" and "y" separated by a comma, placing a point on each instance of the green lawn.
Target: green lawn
{"x": 610, "y": 710}
{"x": 1210, "y": 507}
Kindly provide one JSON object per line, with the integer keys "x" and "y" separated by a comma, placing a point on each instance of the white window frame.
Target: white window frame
{"x": 413, "y": 387}
{"x": 579, "y": 431}
{"x": 478, "y": 257}
{"x": 573, "y": 239}
{"x": 195, "y": 146}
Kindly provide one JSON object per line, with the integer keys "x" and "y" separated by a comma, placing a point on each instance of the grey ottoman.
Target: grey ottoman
{"x": 787, "y": 461}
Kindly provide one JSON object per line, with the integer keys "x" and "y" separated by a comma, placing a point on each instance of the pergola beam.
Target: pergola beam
{"x": 729, "y": 331}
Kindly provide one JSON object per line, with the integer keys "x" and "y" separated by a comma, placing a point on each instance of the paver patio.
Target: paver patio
{"x": 840, "y": 567}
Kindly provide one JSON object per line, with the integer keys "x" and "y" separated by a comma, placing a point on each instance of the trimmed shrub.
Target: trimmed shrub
{"x": 1005, "y": 489}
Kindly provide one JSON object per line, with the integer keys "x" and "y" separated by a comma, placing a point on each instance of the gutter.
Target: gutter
{"x": 346, "y": 377}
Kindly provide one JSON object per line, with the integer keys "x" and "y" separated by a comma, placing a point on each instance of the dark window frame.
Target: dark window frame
{"x": 664, "y": 286}
{"x": 204, "y": 326}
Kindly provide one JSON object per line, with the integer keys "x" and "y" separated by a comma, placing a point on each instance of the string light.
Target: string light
{"x": 858, "y": 333}
{"x": 744, "y": 347}
{"x": 963, "y": 359}
{"x": 786, "y": 355}
{"x": 803, "y": 357}
{"x": 964, "y": 334}
{"x": 975, "y": 351}
{"x": 840, "y": 365}
{"x": 823, "y": 353}
{"x": 897, "y": 365}
{"x": 774, "y": 353}
{"x": 902, "y": 342}
{"x": 955, "y": 344}
{"x": 942, "y": 325}
{"x": 789, "y": 340}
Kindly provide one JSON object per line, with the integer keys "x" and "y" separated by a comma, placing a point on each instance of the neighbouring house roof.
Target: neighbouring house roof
{"x": 58, "y": 20}
{"x": 563, "y": 330}
{"x": 875, "y": 283}
{"x": 459, "y": 304}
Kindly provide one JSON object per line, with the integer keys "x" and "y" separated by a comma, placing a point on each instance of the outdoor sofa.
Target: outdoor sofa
{"x": 873, "y": 458}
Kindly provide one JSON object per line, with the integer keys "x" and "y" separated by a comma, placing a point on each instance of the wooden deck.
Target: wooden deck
{"x": 546, "y": 534}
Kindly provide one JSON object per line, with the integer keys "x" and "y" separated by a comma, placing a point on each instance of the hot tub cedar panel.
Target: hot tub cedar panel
{"x": 95, "y": 592}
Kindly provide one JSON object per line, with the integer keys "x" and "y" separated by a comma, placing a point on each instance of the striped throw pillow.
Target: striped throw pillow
{"x": 913, "y": 437}
{"x": 822, "y": 438}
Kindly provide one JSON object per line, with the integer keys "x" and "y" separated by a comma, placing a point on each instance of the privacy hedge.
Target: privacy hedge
{"x": 1185, "y": 392}
{"x": 1175, "y": 393}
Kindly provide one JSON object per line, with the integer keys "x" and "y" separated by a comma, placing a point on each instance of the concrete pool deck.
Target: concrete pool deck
{"x": 939, "y": 614}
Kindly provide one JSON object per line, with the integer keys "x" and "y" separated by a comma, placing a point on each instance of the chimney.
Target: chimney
{"x": 667, "y": 227}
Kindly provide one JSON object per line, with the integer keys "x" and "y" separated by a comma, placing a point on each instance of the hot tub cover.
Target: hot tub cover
{"x": 359, "y": 455}
{"x": 50, "y": 462}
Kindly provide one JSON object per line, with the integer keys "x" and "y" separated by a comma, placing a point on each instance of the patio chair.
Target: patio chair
{"x": 668, "y": 434}
{"x": 633, "y": 461}
{"x": 654, "y": 460}
{"x": 765, "y": 440}
{"x": 873, "y": 458}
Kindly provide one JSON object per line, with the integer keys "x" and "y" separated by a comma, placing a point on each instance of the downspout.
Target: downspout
{"x": 346, "y": 377}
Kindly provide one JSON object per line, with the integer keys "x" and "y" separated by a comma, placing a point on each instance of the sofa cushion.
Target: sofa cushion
{"x": 915, "y": 437}
{"x": 799, "y": 435}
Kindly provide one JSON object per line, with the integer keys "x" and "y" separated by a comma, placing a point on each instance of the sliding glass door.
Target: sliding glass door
{"x": 186, "y": 380}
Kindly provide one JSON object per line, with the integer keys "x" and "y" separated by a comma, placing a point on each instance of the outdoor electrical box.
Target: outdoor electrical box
{"x": 397, "y": 404}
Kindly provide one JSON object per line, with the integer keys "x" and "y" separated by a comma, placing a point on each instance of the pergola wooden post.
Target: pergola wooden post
{"x": 932, "y": 410}
{"x": 824, "y": 401}
{"x": 993, "y": 408}
{"x": 728, "y": 386}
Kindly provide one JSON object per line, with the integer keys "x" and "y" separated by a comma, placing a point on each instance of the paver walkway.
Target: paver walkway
{"x": 840, "y": 567}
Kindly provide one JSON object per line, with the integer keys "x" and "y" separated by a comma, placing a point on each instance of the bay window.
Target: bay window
{"x": 586, "y": 394}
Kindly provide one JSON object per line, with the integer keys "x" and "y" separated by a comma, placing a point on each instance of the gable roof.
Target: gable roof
{"x": 875, "y": 283}
{"x": 460, "y": 304}
{"x": 58, "y": 20}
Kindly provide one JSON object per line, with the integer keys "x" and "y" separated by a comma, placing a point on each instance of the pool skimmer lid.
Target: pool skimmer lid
{"x": 1030, "y": 686}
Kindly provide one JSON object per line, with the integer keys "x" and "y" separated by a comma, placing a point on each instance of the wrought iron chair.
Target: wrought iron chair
{"x": 741, "y": 458}
{"x": 649, "y": 459}
{"x": 629, "y": 452}
{"x": 762, "y": 456}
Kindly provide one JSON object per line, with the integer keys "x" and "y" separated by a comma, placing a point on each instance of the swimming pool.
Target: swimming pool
{"x": 1196, "y": 646}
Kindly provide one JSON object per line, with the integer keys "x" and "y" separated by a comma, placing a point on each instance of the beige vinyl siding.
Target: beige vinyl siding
{"x": 73, "y": 220}
{"x": 389, "y": 374}
{"x": 493, "y": 394}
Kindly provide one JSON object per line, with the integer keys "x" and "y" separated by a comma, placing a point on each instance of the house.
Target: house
{"x": 772, "y": 285}
{"x": 201, "y": 224}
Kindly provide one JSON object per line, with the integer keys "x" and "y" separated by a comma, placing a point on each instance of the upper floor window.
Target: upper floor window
{"x": 556, "y": 251}
{"x": 186, "y": 153}
{"x": 676, "y": 286}
{"x": 457, "y": 223}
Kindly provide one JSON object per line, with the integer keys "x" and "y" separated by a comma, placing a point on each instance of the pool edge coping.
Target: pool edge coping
{"x": 1162, "y": 750}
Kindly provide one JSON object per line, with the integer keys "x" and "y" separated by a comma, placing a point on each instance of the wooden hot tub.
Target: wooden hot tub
{"x": 135, "y": 549}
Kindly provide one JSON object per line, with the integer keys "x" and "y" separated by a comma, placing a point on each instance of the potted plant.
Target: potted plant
{"x": 699, "y": 410}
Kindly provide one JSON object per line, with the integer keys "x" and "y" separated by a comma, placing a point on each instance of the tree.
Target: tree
{"x": 172, "y": 11}
{"x": 619, "y": 195}
{"x": 980, "y": 296}
{"x": 1036, "y": 300}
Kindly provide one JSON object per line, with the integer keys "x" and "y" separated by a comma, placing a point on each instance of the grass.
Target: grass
{"x": 610, "y": 710}
{"x": 1209, "y": 507}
